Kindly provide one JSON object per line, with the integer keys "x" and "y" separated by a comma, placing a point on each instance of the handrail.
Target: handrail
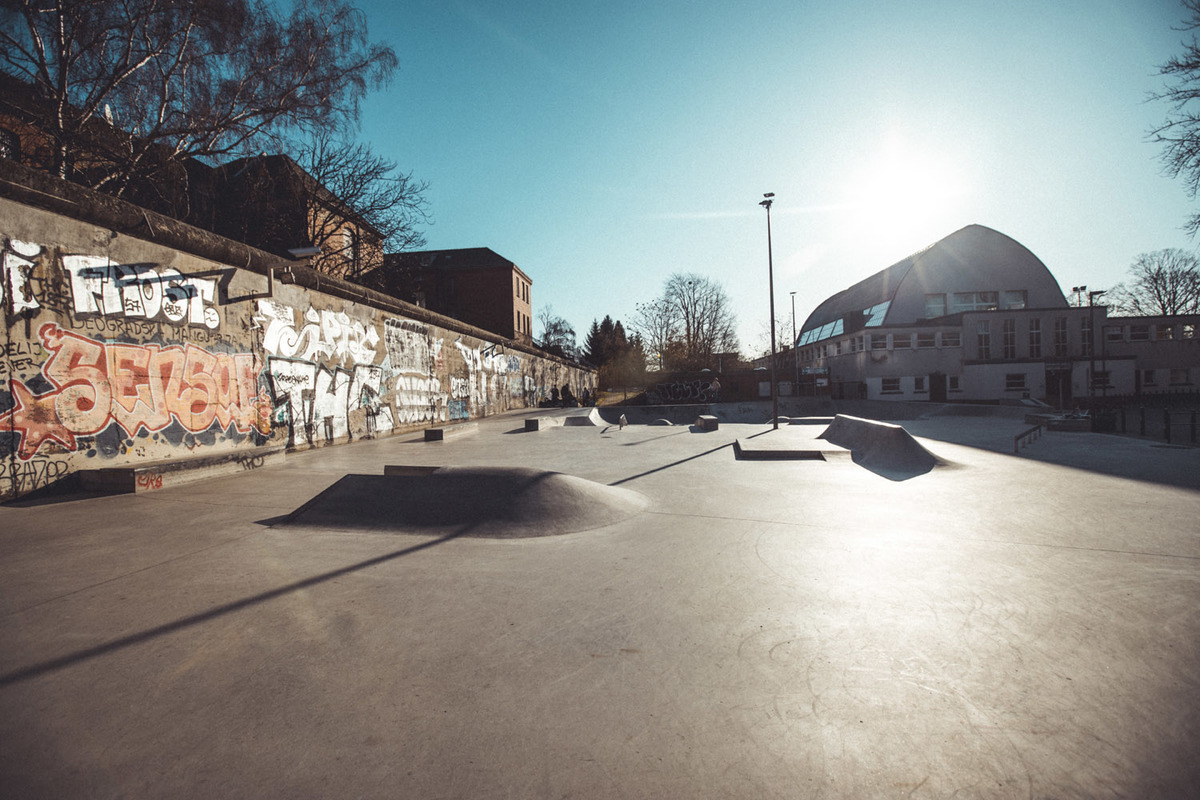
{"x": 1026, "y": 437}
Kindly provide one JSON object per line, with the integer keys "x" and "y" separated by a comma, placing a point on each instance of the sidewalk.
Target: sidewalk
{"x": 1000, "y": 626}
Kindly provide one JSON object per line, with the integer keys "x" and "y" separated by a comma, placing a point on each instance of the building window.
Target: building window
{"x": 926, "y": 339}
{"x": 1008, "y": 340}
{"x": 879, "y": 341}
{"x": 1149, "y": 378}
{"x": 935, "y": 305}
{"x": 951, "y": 339}
{"x": 837, "y": 347}
{"x": 983, "y": 340}
{"x": 1114, "y": 333}
{"x": 1014, "y": 299}
{"x": 919, "y": 384}
{"x": 1060, "y": 337}
{"x": 975, "y": 301}
{"x": 1179, "y": 376}
{"x": 1035, "y": 338}
{"x": 1139, "y": 333}
{"x": 901, "y": 341}
{"x": 1189, "y": 331}
{"x": 1164, "y": 332}
{"x": 952, "y": 383}
{"x": 1014, "y": 382}
{"x": 891, "y": 386}
{"x": 1085, "y": 334}
{"x": 1099, "y": 379}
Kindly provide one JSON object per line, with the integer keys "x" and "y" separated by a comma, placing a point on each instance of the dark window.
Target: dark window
{"x": 1009, "y": 342}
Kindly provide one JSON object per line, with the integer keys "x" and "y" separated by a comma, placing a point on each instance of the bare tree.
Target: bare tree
{"x": 1160, "y": 283}
{"x": 351, "y": 178}
{"x": 558, "y": 337}
{"x": 1179, "y": 134}
{"x": 705, "y": 320}
{"x": 125, "y": 88}
{"x": 657, "y": 326}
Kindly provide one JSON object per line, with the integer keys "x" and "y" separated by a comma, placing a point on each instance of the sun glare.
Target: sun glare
{"x": 900, "y": 191}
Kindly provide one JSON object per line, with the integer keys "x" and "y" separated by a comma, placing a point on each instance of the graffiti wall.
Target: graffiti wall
{"x": 118, "y": 350}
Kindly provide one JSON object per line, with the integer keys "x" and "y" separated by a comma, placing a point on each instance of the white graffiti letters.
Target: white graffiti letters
{"x": 101, "y": 287}
{"x": 332, "y": 335}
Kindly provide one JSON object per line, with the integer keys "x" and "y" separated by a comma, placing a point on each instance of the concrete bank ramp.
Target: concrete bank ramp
{"x": 589, "y": 417}
{"x": 493, "y": 502}
{"x": 881, "y": 447}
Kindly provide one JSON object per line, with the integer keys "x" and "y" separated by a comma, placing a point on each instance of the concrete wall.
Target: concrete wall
{"x": 117, "y": 349}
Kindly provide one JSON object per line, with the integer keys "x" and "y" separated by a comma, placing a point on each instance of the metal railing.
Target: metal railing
{"x": 1026, "y": 437}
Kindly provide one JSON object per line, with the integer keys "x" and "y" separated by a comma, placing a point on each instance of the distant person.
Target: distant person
{"x": 715, "y": 388}
{"x": 568, "y": 398}
{"x": 586, "y": 400}
{"x": 554, "y": 395}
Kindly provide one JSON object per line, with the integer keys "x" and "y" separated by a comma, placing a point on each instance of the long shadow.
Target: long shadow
{"x": 672, "y": 464}
{"x": 124, "y": 642}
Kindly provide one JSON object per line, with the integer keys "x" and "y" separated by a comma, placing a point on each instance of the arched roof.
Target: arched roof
{"x": 972, "y": 259}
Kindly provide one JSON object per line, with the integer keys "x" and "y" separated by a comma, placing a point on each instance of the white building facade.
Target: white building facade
{"x": 977, "y": 317}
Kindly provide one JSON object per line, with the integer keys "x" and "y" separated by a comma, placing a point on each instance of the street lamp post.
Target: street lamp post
{"x": 766, "y": 203}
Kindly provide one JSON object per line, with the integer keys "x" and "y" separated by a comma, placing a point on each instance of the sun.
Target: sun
{"x": 901, "y": 191}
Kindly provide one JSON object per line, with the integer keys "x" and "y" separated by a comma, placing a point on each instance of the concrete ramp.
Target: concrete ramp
{"x": 881, "y": 447}
{"x": 589, "y": 417}
{"x": 492, "y": 502}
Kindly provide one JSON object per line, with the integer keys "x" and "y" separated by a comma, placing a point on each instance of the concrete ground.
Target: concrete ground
{"x": 1001, "y": 626}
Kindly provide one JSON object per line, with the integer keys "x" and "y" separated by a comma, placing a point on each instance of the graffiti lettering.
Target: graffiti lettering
{"x": 419, "y": 400}
{"x": 135, "y": 386}
{"x": 326, "y": 334}
{"x": 25, "y": 476}
{"x": 16, "y": 271}
{"x": 251, "y": 462}
{"x": 139, "y": 291}
{"x": 150, "y": 481}
{"x": 695, "y": 391}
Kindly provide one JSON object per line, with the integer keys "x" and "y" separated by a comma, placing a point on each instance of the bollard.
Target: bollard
{"x": 1123, "y": 429}
{"x": 1167, "y": 424}
{"x": 1192, "y": 425}
{"x": 1142, "y": 422}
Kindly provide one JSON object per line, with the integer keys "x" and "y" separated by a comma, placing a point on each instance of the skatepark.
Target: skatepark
{"x": 560, "y": 603}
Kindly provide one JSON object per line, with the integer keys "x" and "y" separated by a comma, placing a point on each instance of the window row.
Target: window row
{"x": 917, "y": 385}
{"x": 959, "y": 302}
{"x": 1149, "y": 332}
{"x": 1166, "y": 377}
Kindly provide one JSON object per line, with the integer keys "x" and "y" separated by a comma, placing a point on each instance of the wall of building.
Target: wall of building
{"x": 117, "y": 349}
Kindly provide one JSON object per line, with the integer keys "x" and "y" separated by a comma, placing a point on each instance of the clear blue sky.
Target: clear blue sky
{"x": 603, "y": 146}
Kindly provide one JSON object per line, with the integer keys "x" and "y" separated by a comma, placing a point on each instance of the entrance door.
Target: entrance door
{"x": 1058, "y": 386}
{"x": 937, "y": 388}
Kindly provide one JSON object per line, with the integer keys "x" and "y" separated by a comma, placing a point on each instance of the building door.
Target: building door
{"x": 937, "y": 387}
{"x": 1058, "y": 385}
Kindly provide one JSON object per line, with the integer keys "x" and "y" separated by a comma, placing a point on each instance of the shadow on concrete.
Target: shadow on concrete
{"x": 79, "y": 656}
{"x": 671, "y": 465}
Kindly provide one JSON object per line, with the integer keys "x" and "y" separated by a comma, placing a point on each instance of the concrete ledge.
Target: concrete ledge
{"x": 752, "y": 450}
{"x": 449, "y": 431}
{"x": 408, "y": 471}
{"x": 149, "y": 476}
{"x": 707, "y": 422}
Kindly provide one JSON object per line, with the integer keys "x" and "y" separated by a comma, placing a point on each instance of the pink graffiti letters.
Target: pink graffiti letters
{"x": 136, "y": 386}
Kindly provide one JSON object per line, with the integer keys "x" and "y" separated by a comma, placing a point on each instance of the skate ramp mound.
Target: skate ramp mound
{"x": 589, "y": 418}
{"x": 881, "y": 447}
{"x": 489, "y": 502}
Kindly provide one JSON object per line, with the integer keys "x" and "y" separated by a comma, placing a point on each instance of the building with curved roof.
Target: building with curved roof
{"x": 977, "y": 316}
